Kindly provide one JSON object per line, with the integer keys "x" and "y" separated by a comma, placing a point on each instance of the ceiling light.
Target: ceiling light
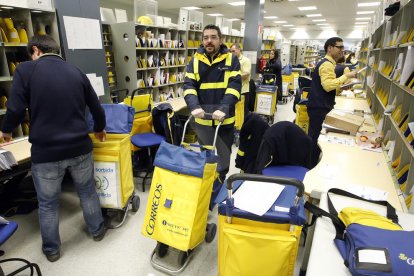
{"x": 318, "y": 20}
{"x": 361, "y": 23}
{"x": 192, "y": 8}
{"x": 37, "y": 11}
{"x": 234, "y": 19}
{"x": 362, "y": 18}
{"x": 314, "y": 15}
{"x": 280, "y": 22}
{"x": 238, "y": 3}
{"x": 365, "y": 12}
{"x": 310, "y": 8}
{"x": 368, "y": 4}
{"x": 270, "y": 17}
{"x": 322, "y": 24}
{"x": 215, "y": 14}
{"x": 7, "y": 8}
{"x": 288, "y": 25}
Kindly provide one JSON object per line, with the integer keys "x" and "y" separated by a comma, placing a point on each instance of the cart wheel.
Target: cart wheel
{"x": 182, "y": 257}
{"x": 161, "y": 249}
{"x": 135, "y": 203}
{"x": 210, "y": 232}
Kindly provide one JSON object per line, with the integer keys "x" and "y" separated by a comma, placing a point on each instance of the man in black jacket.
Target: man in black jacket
{"x": 56, "y": 94}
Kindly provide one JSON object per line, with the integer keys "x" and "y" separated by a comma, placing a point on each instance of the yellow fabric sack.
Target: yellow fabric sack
{"x": 302, "y": 118}
{"x": 366, "y": 217}
{"x": 140, "y": 103}
{"x": 113, "y": 154}
{"x": 249, "y": 247}
{"x": 181, "y": 225}
{"x": 239, "y": 113}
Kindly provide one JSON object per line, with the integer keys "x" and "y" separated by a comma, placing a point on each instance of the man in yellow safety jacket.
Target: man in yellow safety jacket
{"x": 212, "y": 85}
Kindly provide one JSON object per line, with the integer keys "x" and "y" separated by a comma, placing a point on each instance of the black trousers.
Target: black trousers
{"x": 316, "y": 118}
{"x": 205, "y": 136}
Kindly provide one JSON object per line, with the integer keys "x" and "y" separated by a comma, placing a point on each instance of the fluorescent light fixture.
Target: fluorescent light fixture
{"x": 365, "y": 12}
{"x": 215, "y": 14}
{"x": 318, "y": 20}
{"x": 270, "y": 17}
{"x": 322, "y": 24}
{"x": 363, "y": 18}
{"x": 280, "y": 22}
{"x": 314, "y": 15}
{"x": 309, "y": 8}
{"x": 7, "y": 8}
{"x": 35, "y": 11}
{"x": 238, "y": 3}
{"x": 191, "y": 8}
{"x": 361, "y": 23}
{"x": 368, "y": 4}
{"x": 288, "y": 25}
{"x": 234, "y": 19}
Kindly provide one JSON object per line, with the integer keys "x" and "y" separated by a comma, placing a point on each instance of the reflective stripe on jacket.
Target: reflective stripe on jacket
{"x": 214, "y": 85}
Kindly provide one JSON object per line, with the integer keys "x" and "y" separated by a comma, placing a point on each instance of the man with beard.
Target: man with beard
{"x": 212, "y": 85}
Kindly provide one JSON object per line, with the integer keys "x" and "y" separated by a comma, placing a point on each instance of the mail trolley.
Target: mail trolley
{"x": 266, "y": 96}
{"x": 178, "y": 201}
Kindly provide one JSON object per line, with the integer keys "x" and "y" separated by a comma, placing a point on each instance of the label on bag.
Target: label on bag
{"x": 107, "y": 182}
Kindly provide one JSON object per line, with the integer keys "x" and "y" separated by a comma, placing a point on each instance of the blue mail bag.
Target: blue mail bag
{"x": 119, "y": 118}
{"x": 369, "y": 243}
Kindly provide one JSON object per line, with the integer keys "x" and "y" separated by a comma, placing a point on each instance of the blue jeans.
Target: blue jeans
{"x": 47, "y": 178}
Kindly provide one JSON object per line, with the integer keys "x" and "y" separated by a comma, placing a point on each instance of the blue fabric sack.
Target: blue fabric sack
{"x": 119, "y": 118}
{"x": 393, "y": 250}
{"x": 396, "y": 246}
{"x": 181, "y": 160}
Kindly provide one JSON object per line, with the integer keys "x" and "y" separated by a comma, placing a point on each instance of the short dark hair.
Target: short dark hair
{"x": 332, "y": 42}
{"x": 44, "y": 43}
{"x": 212, "y": 27}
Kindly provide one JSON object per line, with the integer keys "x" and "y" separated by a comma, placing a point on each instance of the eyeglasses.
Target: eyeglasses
{"x": 213, "y": 37}
{"x": 339, "y": 47}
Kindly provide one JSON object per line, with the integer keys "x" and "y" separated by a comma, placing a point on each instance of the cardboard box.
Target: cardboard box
{"x": 344, "y": 121}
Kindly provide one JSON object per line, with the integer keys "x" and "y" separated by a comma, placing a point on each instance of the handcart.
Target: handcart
{"x": 113, "y": 166}
{"x": 178, "y": 201}
{"x": 261, "y": 245}
{"x": 266, "y": 95}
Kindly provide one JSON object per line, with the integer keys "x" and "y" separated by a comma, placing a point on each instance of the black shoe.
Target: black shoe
{"x": 53, "y": 257}
{"x": 100, "y": 236}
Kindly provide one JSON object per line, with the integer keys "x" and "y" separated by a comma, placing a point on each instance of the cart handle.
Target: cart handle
{"x": 264, "y": 178}
{"x": 207, "y": 116}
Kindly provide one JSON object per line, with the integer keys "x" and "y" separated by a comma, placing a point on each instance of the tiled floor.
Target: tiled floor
{"x": 123, "y": 251}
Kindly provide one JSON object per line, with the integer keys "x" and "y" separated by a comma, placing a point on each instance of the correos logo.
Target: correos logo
{"x": 154, "y": 209}
{"x": 410, "y": 261}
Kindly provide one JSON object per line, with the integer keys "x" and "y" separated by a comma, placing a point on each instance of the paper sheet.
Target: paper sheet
{"x": 121, "y": 16}
{"x": 257, "y": 197}
{"x": 97, "y": 84}
{"x": 107, "y": 15}
{"x": 83, "y": 33}
{"x": 372, "y": 256}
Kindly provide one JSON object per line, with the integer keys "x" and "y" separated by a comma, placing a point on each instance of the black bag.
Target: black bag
{"x": 392, "y": 9}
